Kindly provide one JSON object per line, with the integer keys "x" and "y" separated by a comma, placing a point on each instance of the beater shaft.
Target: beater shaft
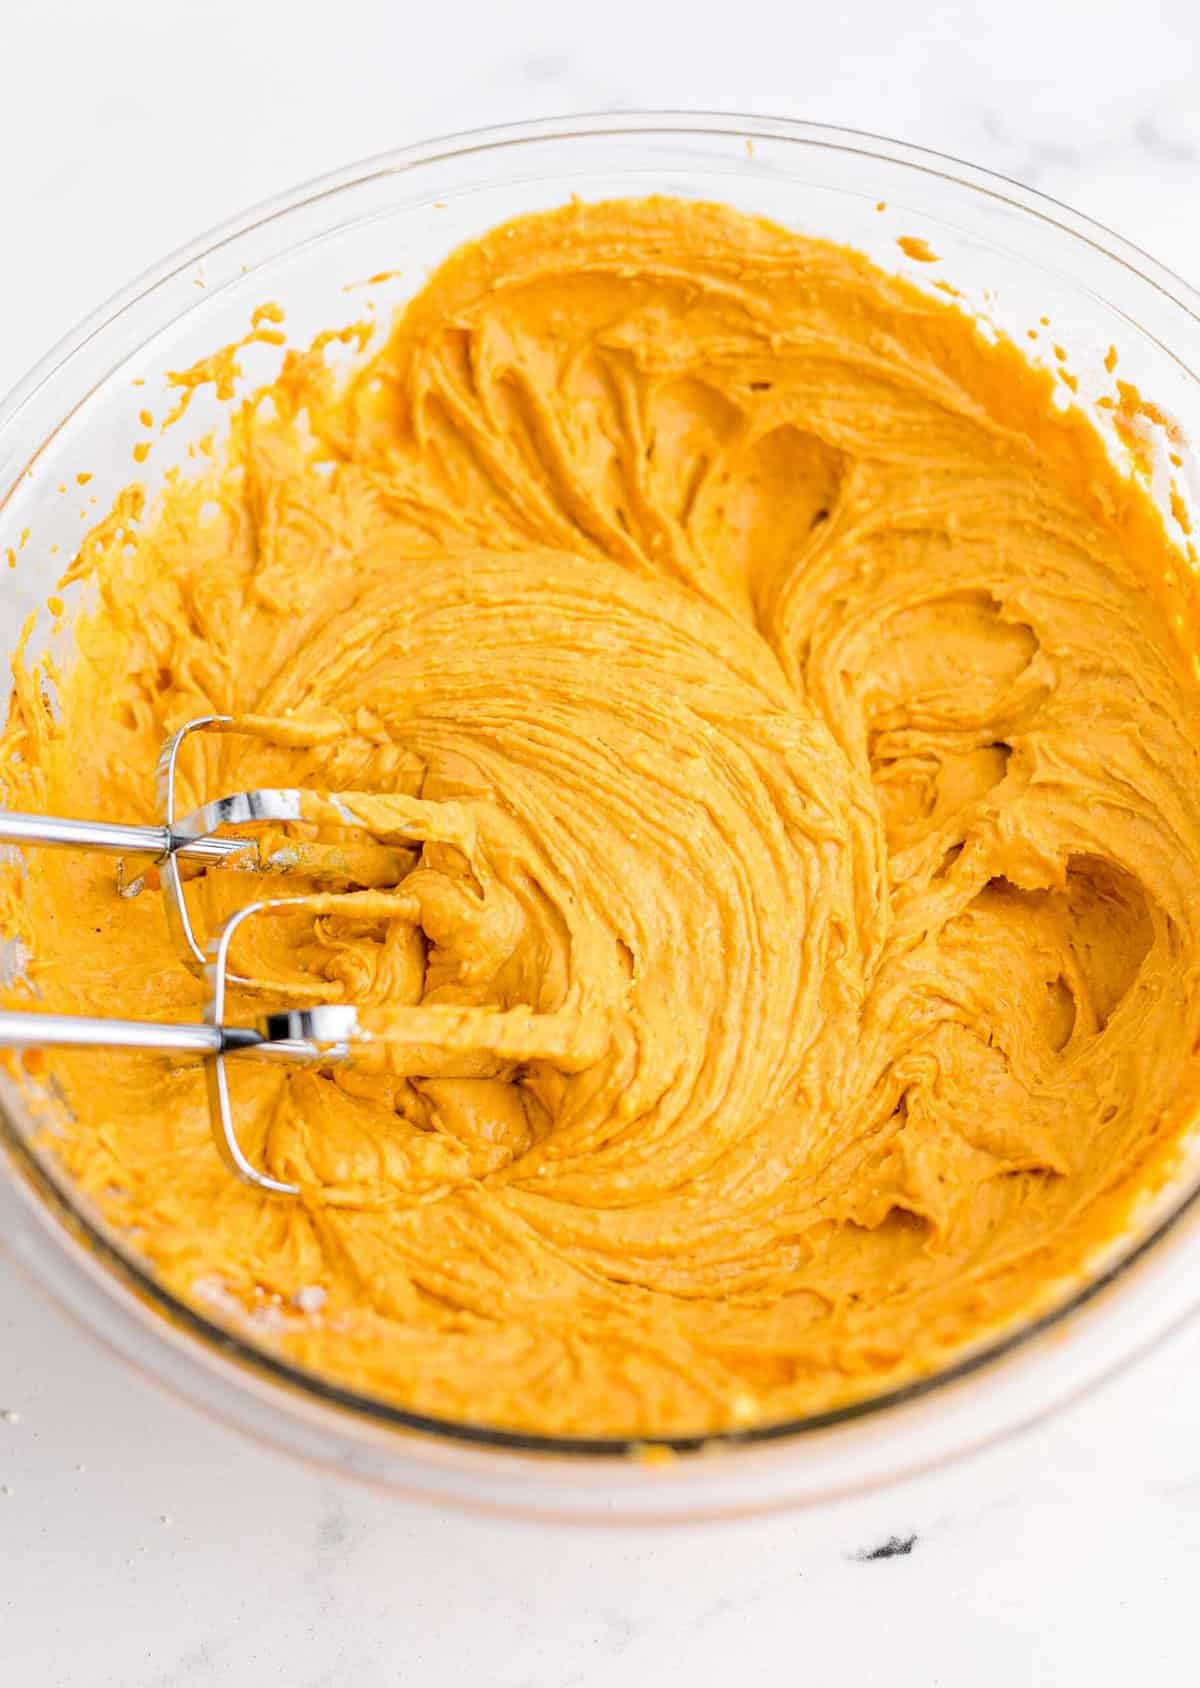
{"x": 112, "y": 838}
{"x": 20, "y": 1029}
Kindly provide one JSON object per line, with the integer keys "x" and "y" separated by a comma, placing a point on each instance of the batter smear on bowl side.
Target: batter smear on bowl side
{"x": 799, "y": 751}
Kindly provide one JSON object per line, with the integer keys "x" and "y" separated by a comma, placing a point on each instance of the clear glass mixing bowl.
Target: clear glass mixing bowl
{"x": 358, "y": 242}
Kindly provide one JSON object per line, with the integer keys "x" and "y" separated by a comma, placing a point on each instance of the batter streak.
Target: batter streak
{"x": 787, "y": 762}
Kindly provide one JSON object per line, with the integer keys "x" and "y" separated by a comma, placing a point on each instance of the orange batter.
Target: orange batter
{"x": 787, "y": 698}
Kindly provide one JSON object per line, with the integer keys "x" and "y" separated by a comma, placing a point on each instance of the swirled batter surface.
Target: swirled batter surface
{"x": 789, "y": 832}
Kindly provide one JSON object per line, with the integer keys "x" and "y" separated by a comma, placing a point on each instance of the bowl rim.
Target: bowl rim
{"x": 121, "y": 1266}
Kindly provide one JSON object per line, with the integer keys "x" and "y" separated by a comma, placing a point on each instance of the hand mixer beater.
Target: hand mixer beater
{"x": 324, "y": 1033}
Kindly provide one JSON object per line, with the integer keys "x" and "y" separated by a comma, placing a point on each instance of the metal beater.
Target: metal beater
{"x": 318, "y": 1034}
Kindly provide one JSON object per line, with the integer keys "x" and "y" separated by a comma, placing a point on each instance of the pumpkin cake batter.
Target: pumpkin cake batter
{"x": 787, "y": 765}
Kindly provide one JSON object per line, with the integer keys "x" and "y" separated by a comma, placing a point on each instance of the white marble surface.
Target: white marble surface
{"x": 142, "y": 1546}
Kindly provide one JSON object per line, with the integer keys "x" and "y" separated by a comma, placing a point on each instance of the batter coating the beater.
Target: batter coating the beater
{"x": 802, "y": 766}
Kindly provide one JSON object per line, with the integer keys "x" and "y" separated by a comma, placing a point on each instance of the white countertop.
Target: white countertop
{"x": 142, "y": 1545}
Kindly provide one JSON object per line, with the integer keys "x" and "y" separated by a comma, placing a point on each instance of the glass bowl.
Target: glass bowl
{"x": 357, "y": 243}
